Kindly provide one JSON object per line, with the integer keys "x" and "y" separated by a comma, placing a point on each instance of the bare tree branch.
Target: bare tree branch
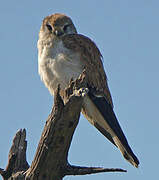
{"x": 78, "y": 170}
{"x": 50, "y": 161}
{"x": 17, "y": 156}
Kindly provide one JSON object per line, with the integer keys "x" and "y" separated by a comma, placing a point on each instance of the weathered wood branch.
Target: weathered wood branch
{"x": 17, "y": 156}
{"x": 50, "y": 161}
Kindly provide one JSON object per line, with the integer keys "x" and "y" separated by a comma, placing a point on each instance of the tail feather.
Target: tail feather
{"x": 106, "y": 122}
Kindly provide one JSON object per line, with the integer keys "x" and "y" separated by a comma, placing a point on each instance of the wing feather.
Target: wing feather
{"x": 92, "y": 62}
{"x": 98, "y": 105}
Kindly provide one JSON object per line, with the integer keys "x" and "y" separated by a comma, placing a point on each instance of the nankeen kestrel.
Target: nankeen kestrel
{"x": 63, "y": 54}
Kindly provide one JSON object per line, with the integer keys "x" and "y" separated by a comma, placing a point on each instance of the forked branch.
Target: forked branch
{"x": 50, "y": 161}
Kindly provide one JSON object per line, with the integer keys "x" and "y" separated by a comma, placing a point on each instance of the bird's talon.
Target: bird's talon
{"x": 83, "y": 91}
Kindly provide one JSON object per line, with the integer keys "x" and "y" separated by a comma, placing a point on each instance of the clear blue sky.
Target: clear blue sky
{"x": 127, "y": 33}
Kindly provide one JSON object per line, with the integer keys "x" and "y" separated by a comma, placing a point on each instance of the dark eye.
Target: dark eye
{"x": 49, "y": 27}
{"x": 65, "y": 27}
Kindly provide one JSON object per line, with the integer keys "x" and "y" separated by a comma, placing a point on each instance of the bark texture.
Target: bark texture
{"x": 50, "y": 161}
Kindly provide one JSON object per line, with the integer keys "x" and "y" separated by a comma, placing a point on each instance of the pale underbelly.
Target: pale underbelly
{"x": 57, "y": 73}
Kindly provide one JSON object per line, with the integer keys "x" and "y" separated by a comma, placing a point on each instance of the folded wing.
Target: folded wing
{"x": 99, "y": 112}
{"x": 98, "y": 105}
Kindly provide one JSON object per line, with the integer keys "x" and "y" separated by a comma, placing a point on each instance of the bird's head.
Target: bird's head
{"x": 56, "y": 25}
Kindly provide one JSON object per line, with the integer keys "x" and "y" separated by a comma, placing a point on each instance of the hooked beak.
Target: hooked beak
{"x": 58, "y": 32}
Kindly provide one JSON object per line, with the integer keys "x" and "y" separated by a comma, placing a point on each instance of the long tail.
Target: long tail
{"x": 99, "y": 112}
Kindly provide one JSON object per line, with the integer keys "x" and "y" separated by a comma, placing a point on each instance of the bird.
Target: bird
{"x": 63, "y": 54}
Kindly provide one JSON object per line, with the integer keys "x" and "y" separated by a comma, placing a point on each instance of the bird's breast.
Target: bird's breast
{"x": 58, "y": 65}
